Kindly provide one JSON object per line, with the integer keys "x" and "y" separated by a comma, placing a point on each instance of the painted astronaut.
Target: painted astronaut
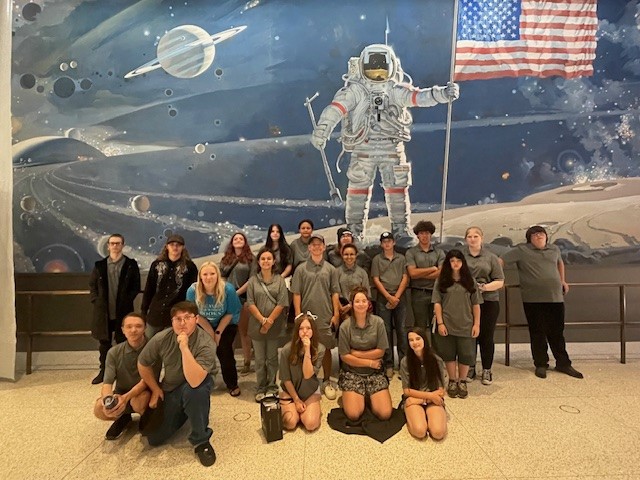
{"x": 372, "y": 106}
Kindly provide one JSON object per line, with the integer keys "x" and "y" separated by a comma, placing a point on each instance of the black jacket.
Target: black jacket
{"x": 128, "y": 289}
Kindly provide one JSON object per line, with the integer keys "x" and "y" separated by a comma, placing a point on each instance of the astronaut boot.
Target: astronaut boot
{"x": 357, "y": 229}
{"x": 403, "y": 235}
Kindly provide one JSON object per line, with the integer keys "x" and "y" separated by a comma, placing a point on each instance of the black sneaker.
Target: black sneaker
{"x": 471, "y": 375}
{"x": 541, "y": 372}
{"x": 569, "y": 370}
{"x": 118, "y": 427}
{"x": 205, "y": 453}
{"x": 98, "y": 378}
{"x": 452, "y": 389}
{"x": 462, "y": 389}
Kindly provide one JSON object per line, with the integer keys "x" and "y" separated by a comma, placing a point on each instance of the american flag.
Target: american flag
{"x": 511, "y": 38}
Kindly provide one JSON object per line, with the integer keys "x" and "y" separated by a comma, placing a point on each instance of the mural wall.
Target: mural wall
{"x": 151, "y": 117}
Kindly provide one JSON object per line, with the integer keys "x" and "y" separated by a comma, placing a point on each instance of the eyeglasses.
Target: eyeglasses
{"x": 183, "y": 318}
{"x": 538, "y": 234}
{"x": 114, "y": 244}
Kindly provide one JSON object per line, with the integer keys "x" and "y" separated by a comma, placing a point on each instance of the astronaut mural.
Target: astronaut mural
{"x": 154, "y": 117}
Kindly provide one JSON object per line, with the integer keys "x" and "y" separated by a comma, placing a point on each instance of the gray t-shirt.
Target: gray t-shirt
{"x": 348, "y": 278}
{"x": 538, "y": 272}
{"x": 163, "y": 349}
{"x": 257, "y": 296}
{"x": 304, "y": 387}
{"x": 389, "y": 270}
{"x": 315, "y": 283}
{"x": 485, "y": 268}
{"x": 424, "y": 384}
{"x": 299, "y": 252}
{"x": 238, "y": 275}
{"x": 113, "y": 280}
{"x": 457, "y": 304}
{"x": 121, "y": 367}
{"x": 334, "y": 258}
{"x": 417, "y": 257}
{"x": 372, "y": 336}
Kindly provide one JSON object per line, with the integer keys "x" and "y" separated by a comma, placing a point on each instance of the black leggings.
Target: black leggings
{"x": 489, "y": 311}
{"x": 226, "y": 357}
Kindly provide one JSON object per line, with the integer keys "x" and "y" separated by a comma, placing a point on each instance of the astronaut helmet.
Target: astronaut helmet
{"x": 378, "y": 63}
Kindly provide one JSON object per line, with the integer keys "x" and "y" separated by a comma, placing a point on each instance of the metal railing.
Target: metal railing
{"x": 622, "y": 323}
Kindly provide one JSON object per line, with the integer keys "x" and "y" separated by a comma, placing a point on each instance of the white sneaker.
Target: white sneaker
{"x": 487, "y": 377}
{"x": 329, "y": 391}
{"x": 260, "y": 396}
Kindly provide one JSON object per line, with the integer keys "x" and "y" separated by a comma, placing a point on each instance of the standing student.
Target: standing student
{"x": 423, "y": 375}
{"x": 334, "y": 252}
{"x": 277, "y": 243}
{"x": 300, "y": 246}
{"x": 235, "y": 268}
{"x": 170, "y": 275}
{"x": 543, "y": 286}
{"x": 363, "y": 343}
{"x": 424, "y": 262}
{"x": 389, "y": 274}
{"x": 350, "y": 276}
{"x": 113, "y": 286}
{"x": 300, "y": 362}
{"x": 487, "y": 272}
{"x": 267, "y": 301}
{"x": 219, "y": 308}
{"x": 315, "y": 289}
{"x": 457, "y": 302}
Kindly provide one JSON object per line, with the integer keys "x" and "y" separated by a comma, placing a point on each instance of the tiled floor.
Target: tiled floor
{"x": 520, "y": 427}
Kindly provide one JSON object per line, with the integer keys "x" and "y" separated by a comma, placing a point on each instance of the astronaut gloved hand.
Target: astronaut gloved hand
{"x": 446, "y": 94}
{"x": 319, "y": 137}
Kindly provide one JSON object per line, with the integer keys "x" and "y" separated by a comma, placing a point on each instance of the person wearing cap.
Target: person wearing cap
{"x": 334, "y": 252}
{"x": 300, "y": 246}
{"x": 315, "y": 289}
{"x": 542, "y": 286}
{"x": 424, "y": 263}
{"x": 187, "y": 354}
{"x": 170, "y": 275}
{"x": 113, "y": 286}
{"x": 389, "y": 275}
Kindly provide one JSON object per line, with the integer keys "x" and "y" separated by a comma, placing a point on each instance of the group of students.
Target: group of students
{"x": 454, "y": 298}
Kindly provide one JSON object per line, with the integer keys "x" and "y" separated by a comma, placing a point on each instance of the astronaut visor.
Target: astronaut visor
{"x": 377, "y": 66}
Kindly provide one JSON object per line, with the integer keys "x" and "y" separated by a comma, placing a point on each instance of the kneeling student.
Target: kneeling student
{"x": 131, "y": 393}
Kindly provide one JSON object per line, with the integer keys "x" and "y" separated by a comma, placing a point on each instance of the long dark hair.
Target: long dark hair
{"x": 415, "y": 365}
{"x": 297, "y": 349}
{"x": 283, "y": 247}
{"x": 246, "y": 256}
{"x": 446, "y": 274}
{"x": 182, "y": 261}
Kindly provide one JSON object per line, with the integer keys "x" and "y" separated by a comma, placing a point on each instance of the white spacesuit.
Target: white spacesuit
{"x": 372, "y": 106}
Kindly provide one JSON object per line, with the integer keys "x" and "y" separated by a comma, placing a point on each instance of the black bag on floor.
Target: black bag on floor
{"x": 271, "y": 416}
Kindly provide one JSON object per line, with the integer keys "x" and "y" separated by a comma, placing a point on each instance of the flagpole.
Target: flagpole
{"x": 447, "y": 138}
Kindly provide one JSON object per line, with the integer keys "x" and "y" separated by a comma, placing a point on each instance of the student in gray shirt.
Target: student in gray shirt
{"x": 542, "y": 286}
{"x": 187, "y": 353}
{"x": 349, "y": 276}
{"x": 300, "y": 362}
{"x": 457, "y": 300}
{"x": 300, "y": 246}
{"x": 130, "y": 393}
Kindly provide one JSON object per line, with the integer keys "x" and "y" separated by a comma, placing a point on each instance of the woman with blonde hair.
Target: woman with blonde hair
{"x": 219, "y": 308}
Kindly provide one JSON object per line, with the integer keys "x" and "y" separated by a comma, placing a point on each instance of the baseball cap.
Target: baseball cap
{"x": 175, "y": 238}
{"x": 316, "y": 235}
{"x": 386, "y": 235}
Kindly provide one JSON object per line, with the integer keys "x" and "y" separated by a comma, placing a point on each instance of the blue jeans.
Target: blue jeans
{"x": 394, "y": 319}
{"x": 182, "y": 404}
{"x": 266, "y": 364}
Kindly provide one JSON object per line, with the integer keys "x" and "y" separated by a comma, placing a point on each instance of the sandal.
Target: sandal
{"x": 234, "y": 392}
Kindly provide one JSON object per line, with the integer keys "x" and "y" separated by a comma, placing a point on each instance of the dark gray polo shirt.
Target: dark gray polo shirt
{"x": 389, "y": 271}
{"x": 485, "y": 268}
{"x": 121, "y": 367}
{"x": 424, "y": 385}
{"x": 416, "y": 257}
{"x": 457, "y": 305}
{"x": 257, "y": 296}
{"x": 299, "y": 252}
{"x": 163, "y": 349}
{"x": 538, "y": 272}
{"x": 304, "y": 387}
{"x": 315, "y": 283}
{"x": 348, "y": 278}
{"x": 373, "y": 335}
